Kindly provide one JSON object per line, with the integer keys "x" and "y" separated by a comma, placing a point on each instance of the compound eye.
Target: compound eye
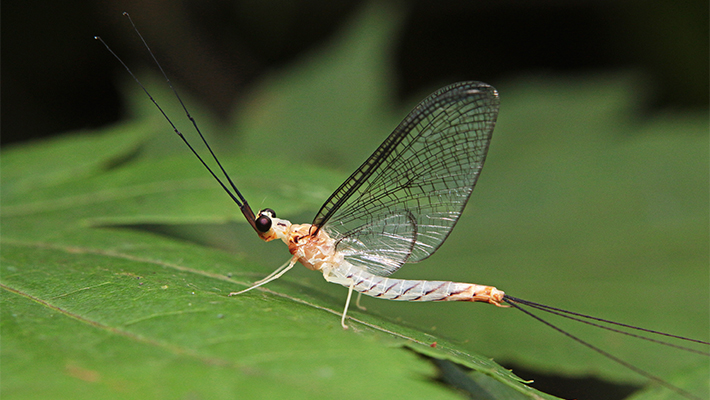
{"x": 263, "y": 221}
{"x": 271, "y": 213}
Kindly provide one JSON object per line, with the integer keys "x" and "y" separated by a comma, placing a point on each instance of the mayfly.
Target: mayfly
{"x": 398, "y": 207}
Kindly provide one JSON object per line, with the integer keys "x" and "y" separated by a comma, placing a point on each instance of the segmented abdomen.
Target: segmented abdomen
{"x": 412, "y": 290}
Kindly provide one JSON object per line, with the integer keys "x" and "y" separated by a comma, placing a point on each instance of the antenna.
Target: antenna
{"x": 236, "y": 196}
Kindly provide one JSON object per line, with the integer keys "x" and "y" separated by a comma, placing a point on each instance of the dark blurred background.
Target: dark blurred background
{"x": 55, "y": 77}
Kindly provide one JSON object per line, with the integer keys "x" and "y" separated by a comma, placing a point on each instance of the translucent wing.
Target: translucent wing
{"x": 402, "y": 203}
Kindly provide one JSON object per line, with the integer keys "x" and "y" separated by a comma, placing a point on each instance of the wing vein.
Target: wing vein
{"x": 404, "y": 200}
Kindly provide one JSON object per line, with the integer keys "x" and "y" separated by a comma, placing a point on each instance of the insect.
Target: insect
{"x": 399, "y": 207}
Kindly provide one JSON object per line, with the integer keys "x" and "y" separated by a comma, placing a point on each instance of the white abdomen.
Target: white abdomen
{"x": 364, "y": 282}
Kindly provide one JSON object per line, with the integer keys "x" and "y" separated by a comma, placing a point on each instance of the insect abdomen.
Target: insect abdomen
{"x": 415, "y": 290}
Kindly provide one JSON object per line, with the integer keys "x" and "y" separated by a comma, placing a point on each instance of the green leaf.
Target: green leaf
{"x": 93, "y": 307}
{"x": 114, "y": 286}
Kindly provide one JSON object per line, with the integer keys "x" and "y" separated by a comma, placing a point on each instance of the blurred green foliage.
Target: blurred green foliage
{"x": 581, "y": 205}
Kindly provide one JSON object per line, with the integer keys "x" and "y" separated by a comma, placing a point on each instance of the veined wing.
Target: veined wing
{"x": 402, "y": 203}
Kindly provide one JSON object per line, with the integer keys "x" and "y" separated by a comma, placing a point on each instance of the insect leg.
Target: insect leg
{"x": 347, "y": 304}
{"x": 272, "y": 277}
{"x": 357, "y": 302}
